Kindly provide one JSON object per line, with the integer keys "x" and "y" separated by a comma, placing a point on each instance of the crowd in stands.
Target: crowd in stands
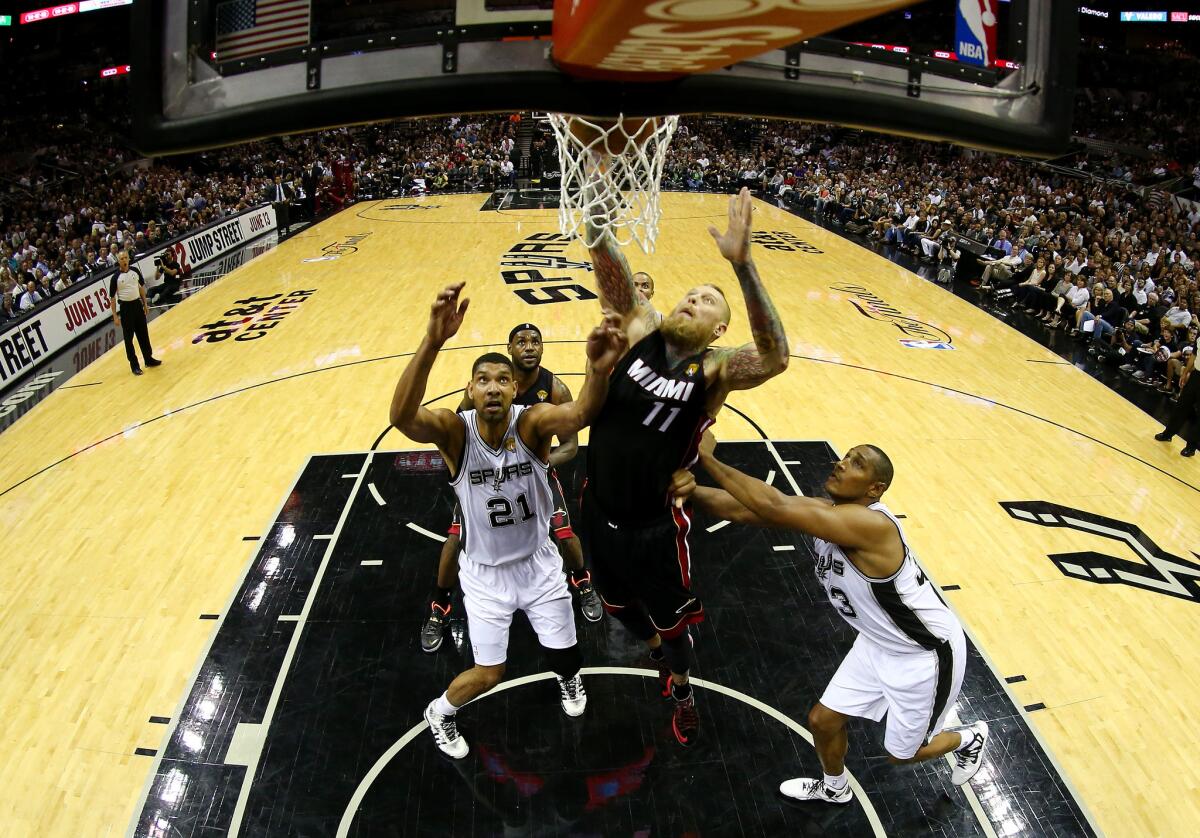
{"x": 1142, "y": 101}
{"x": 1082, "y": 253}
{"x": 1069, "y": 250}
{"x": 68, "y": 207}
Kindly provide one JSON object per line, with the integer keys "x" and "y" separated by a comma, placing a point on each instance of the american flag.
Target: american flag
{"x": 253, "y": 27}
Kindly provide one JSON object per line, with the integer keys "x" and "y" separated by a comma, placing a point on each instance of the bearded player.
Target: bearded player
{"x": 663, "y": 393}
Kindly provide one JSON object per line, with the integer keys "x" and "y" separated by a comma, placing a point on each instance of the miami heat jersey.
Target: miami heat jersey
{"x": 503, "y": 494}
{"x": 650, "y": 426}
{"x": 540, "y": 391}
{"x": 902, "y": 613}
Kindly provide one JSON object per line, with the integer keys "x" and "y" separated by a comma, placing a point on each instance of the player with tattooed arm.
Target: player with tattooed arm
{"x": 664, "y": 392}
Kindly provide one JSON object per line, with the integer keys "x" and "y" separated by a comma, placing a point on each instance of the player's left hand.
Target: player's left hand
{"x": 683, "y": 483}
{"x": 605, "y": 346}
{"x": 734, "y": 243}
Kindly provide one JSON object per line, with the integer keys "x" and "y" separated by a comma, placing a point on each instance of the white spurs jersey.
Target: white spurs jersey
{"x": 902, "y": 613}
{"x": 504, "y": 495}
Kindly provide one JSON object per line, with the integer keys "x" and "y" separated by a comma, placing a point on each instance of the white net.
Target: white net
{"x": 611, "y": 170}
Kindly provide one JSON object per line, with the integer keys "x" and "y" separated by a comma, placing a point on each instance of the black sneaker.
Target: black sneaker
{"x": 589, "y": 600}
{"x": 1188, "y": 452}
{"x": 685, "y": 721}
{"x": 1163, "y": 436}
{"x": 137, "y": 370}
{"x": 154, "y": 362}
{"x": 433, "y": 629}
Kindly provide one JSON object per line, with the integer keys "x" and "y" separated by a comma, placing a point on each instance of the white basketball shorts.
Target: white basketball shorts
{"x": 916, "y": 691}
{"x": 535, "y": 585}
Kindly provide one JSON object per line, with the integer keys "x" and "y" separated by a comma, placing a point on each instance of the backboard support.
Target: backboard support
{"x": 501, "y": 62}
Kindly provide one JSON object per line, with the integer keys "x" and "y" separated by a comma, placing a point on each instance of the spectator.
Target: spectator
{"x": 31, "y": 297}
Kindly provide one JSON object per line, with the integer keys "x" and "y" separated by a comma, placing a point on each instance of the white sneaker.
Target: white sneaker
{"x": 968, "y": 758}
{"x": 445, "y": 733}
{"x": 814, "y": 788}
{"x": 574, "y": 697}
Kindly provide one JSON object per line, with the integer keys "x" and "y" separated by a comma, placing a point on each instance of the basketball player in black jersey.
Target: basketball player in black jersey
{"x": 663, "y": 393}
{"x": 535, "y": 384}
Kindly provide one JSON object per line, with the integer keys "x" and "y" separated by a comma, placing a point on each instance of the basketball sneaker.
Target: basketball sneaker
{"x": 589, "y": 600}
{"x": 969, "y": 756}
{"x": 433, "y": 629}
{"x": 574, "y": 697}
{"x": 814, "y": 788}
{"x": 664, "y": 671}
{"x": 445, "y": 733}
{"x": 685, "y": 721}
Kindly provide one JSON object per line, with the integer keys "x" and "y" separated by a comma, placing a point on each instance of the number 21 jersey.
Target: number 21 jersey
{"x": 503, "y": 494}
{"x": 650, "y": 425}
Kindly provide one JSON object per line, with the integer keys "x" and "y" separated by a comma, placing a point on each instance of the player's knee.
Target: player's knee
{"x": 489, "y": 676}
{"x": 823, "y": 720}
{"x": 565, "y": 662}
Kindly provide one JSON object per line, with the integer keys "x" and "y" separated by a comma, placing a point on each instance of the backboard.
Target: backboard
{"x": 197, "y": 86}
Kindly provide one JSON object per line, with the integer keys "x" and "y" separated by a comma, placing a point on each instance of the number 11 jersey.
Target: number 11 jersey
{"x": 503, "y": 494}
{"x": 650, "y": 425}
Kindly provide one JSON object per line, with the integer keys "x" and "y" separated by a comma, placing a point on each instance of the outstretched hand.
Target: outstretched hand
{"x": 446, "y": 314}
{"x": 734, "y": 243}
{"x": 683, "y": 483}
{"x": 605, "y": 346}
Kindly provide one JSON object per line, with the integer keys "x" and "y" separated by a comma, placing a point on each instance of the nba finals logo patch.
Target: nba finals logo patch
{"x": 692, "y": 368}
{"x": 542, "y": 395}
{"x": 510, "y": 444}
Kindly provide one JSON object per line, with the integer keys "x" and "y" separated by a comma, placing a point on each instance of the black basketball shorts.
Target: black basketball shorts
{"x": 648, "y": 565}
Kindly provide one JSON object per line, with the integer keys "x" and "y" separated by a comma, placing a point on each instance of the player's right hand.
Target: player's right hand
{"x": 446, "y": 314}
{"x": 683, "y": 483}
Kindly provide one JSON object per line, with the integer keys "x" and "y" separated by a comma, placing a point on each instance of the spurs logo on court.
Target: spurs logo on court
{"x": 1157, "y": 569}
{"x": 782, "y": 240}
{"x": 875, "y": 307}
{"x": 538, "y": 252}
{"x": 335, "y": 251}
{"x": 394, "y": 207}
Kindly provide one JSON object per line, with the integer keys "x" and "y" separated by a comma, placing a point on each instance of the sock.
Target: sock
{"x": 442, "y": 705}
{"x": 967, "y": 735}
{"x": 837, "y": 782}
{"x": 442, "y": 596}
{"x": 656, "y": 655}
{"x": 680, "y": 692}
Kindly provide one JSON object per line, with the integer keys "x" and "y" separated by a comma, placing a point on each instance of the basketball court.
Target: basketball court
{"x": 226, "y": 636}
{"x": 218, "y": 570}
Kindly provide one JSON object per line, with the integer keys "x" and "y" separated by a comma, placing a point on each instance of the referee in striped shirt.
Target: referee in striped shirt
{"x": 127, "y": 295}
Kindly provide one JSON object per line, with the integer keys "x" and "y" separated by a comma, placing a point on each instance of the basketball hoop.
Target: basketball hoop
{"x": 611, "y": 172}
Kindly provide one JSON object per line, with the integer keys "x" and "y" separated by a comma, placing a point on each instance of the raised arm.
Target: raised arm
{"x": 614, "y": 280}
{"x": 418, "y": 423}
{"x": 540, "y": 423}
{"x": 716, "y": 502}
{"x": 568, "y": 446}
{"x": 750, "y": 365}
{"x": 848, "y": 525}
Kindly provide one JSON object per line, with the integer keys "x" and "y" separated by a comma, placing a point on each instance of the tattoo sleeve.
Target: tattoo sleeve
{"x": 613, "y": 277}
{"x": 752, "y": 364}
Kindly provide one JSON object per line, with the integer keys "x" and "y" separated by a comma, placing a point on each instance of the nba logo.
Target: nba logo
{"x": 975, "y": 32}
